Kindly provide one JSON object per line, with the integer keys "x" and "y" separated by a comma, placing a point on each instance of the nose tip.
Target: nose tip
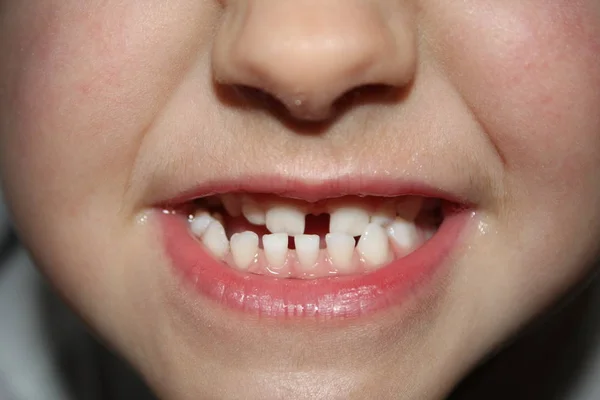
{"x": 309, "y": 53}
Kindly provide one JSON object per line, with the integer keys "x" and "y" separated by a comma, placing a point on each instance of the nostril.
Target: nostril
{"x": 368, "y": 94}
{"x": 306, "y": 60}
{"x": 302, "y": 110}
{"x": 259, "y": 98}
{"x": 296, "y": 110}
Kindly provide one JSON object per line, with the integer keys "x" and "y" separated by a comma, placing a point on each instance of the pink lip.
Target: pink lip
{"x": 318, "y": 190}
{"x": 326, "y": 298}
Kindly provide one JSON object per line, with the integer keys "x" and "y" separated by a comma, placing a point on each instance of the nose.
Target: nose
{"x": 309, "y": 53}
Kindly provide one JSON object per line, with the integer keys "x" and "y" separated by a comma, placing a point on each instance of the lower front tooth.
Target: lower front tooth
{"x": 215, "y": 240}
{"x": 404, "y": 233}
{"x": 276, "y": 248}
{"x": 341, "y": 249}
{"x": 373, "y": 245}
{"x": 244, "y": 248}
{"x": 200, "y": 223}
{"x": 307, "y": 250}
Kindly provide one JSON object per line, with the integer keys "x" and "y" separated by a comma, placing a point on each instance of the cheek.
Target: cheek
{"x": 531, "y": 75}
{"x": 84, "y": 87}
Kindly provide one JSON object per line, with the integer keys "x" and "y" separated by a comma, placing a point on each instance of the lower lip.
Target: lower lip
{"x": 325, "y": 298}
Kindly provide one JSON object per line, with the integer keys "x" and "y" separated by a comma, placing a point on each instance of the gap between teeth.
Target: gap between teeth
{"x": 387, "y": 232}
{"x": 346, "y": 216}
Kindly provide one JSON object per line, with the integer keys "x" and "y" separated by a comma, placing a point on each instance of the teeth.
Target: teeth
{"x": 287, "y": 219}
{"x": 244, "y": 248}
{"x": 341, "y": 249}
{"x": 404, "y": 233}
{"x": 373, "y": 245}
{"x": 384, "y": 214}
{"x": 428, "y": 233}
{"x": 351, "y": 220}
{"x": 408, "y": 207}
{"x": 253, "y": 212}
{"x": 276, "y": 248}
{"x": 232, "y": 204}
{"x": 391, "y": 223}
{"x": 200, "y": 223}
{"x": 307, "y": 249}
{"x": 215, "y": 240}
{"x": 218, "y": 217}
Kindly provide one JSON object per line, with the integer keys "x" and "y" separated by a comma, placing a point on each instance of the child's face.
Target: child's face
{"x": 112, "y": 110}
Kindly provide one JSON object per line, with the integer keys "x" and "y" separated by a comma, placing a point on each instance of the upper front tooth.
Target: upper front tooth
{"x": 252, "y": 211}
{"x": 215, "y": 239}
{"x": 276, "y": 248}
{"x": 351, "y": 220}
{"x": 340, "y": 247}
{"x": 373, "y": 245}
{"x": 404, "y": 233}
{"x": 287, "y": 219}
{"x": 232, "y": 204}
{"x": 408, "y": 207}
{"x": 384, "y": 214}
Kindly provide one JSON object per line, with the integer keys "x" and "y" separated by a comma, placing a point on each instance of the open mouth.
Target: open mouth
{"x": 310, "y": 253}
{"x": 286, "y": 238}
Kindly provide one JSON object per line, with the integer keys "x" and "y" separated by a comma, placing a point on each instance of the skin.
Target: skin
{"x": 107, "y": 107}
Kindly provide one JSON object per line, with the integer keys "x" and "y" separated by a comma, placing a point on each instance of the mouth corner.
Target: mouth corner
{"x": 279, "y": 246}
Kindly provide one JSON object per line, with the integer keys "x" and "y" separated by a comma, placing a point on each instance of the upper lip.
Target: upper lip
{"x": 327, "y": 298}
{"x": 315, "y": 190}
